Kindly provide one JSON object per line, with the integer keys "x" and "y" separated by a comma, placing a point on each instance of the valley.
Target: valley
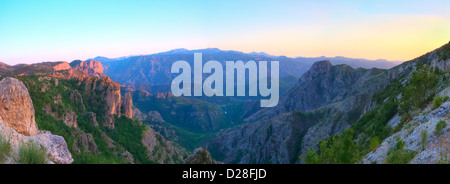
{"x": 122, "y": 111}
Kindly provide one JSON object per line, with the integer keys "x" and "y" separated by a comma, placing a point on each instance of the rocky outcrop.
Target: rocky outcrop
{"x": 138, "y": 114}
{"x": 154, "y": 116}
{"x": 160, "y": 150}
{"x": 324, "y": 84}
{"x": 109, "y": 121}
{"x": 325, "y": 101}
{"x": 200, "y": 156}
{"x": 55, "y": 146}
{"x": 61, "y": 66}
{"x": 76, "y": 98}
{"x": 16, "y": 107}
{"x": 112, "y": 98}
{"x": 128, "y": 106}
{"x": 93, "y": 118}
{"x": 164, "y": 95}
{"x": 18, "y": 125}
{"x": 127, "y": 157}
{"x": 107, "y": 93}
{"x": 84, "y": 142}
{"x": 419, "y": 136}
{"x": 436, "y": 59}
{"x": 89, "y": 67}
{"x": 70, "y": 119}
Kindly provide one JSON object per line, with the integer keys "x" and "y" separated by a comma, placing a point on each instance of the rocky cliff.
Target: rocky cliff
{"x": 326, "y": 100}
{"x": 200, "y": 156}
{"x": 89, "y": 67}
{"x": 16, "y": 107}
{"x": 160, "y": 150}
{"x": 324, "y": 84}
{"x": 86, "y": 107}
{"x": 420, "y": 138}
{"x": 17, "y": 124}
{"x": 127, "y": 106}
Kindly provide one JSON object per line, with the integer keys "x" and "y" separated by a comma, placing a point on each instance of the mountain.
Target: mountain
{"x": 84, "y": 106}
{"x": 155, "y": 69}
{"x": 89, "y": 67}
{"x": 338, "y": 114}
{"x": 329, "y": 112}
{"x": 324, "y": 84}
{"x": 354, "y": 63}
{"x": 326, "y": 98}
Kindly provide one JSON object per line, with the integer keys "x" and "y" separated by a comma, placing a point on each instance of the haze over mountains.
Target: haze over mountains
{"x": 328, "y": 113}
{"x": 155, "y": 68}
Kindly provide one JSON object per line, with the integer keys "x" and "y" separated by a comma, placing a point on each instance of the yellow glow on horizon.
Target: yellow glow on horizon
{"x": 400, "y": 39}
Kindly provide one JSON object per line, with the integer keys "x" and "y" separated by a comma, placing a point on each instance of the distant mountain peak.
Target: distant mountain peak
{"x": 321, "y": 66}
{"x": 89, "y": 67}
{"x": 261, "y": 54}
{"x": 3, "y": 64}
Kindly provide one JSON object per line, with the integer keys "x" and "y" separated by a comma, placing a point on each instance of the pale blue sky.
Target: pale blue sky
{"x": 50, "y": 30}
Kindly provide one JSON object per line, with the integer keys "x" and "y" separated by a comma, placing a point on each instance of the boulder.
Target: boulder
{"x": 16, "y": 107}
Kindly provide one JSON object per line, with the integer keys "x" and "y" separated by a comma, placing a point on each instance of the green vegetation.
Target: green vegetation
{"x": 418, "y": 92}
{"x": 439, "y": 130}
{"x": 424, "y": 139}
{"x": 446, "y": 99}
{"x": 400, "y": 156}
{"x": 335, "y": 150}
{"x": 5, "y": 148}
{"x": 129, "y": 134}
{"x": 179, "y": 112}
{"x": 444, "y": 52}
{"x": 126, "y": 136}
{"x": 188, "y": 139}
{"x": 437, "y": 102}
{"x": 371, "y": 129}
{"x": 192, "y": 121}
{"x": 32, "y": 153}
{"x": 400, "y": 145}
{"x": 374, "y": 142}
{"x": 311, "y": 157}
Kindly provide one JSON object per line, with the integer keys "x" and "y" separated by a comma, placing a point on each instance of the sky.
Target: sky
{"x": 34, "y": 31}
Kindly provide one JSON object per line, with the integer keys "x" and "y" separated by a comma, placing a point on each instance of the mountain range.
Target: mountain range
{"x": 332, "y": 110}
{"x": 155, "y": 69}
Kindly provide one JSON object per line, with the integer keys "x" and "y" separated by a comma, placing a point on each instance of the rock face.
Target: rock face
{"x": 76, "y": 98}
{"x": 16, "y": 107}
{"x": 138, "y": 114}
{"x": 128, "y": 106}
{"x": 324, "y": 84}
{"x": 200, "y": 156}
{"x": 90, "y": 67}
{"x": 434, "y": 150}
{"x": 109, "y": 93}
{"x": 326, "y": 100}
{"x": 93, "y": 117}
{"x": 84, "y": 142}
{"x": 62, "y": 66}
{"x": 70, "y": 119}
{"x": 169, "y": 153}
{"x": 154, "y": 116}
{"x": 18, "y": 125}
{"x": 113, "y": 97}
{"x": 56, "y": 146}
